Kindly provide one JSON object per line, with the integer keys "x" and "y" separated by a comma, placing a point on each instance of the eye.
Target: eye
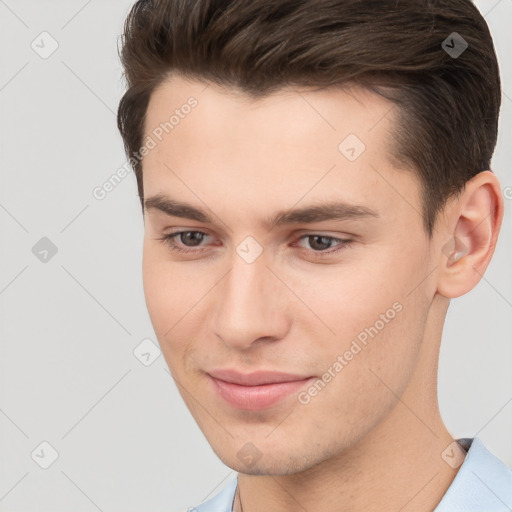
{"x": 171, "y": 242}
{"x": 317, "y": 242}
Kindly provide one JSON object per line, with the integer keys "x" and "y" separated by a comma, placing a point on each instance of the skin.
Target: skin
{"x": 372, "y": 438}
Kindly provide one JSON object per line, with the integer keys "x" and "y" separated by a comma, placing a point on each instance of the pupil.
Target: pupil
{"x": 192, "y": 235}
{"x": 325, "y": 238}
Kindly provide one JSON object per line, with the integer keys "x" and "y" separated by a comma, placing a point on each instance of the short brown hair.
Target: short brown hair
{"x": 447, "y": 120}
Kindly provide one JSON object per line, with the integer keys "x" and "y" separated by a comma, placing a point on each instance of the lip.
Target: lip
{"x": 255, "y": 378}
{"x": 260, "y": 391}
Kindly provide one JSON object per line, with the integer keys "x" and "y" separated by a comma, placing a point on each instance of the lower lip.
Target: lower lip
{"x": 254, "y": 398}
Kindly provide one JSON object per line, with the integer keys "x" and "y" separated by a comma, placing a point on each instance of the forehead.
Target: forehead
{"x": 301, "y": 110}
{"x": 333, "y": 143}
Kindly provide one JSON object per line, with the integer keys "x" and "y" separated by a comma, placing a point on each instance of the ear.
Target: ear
{"x": 474, "y": 223}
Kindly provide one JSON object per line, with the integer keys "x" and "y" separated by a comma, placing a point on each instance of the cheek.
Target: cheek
{"x": 372, "y": 314}
{"x": 343, "y": 300}
{"x": 153, "y": 278}
{"x": 164, "y": 289}
{"x": 175, "y": 295}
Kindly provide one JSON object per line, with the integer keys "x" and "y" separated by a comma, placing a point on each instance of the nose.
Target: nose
{"x": 251, "y": 305}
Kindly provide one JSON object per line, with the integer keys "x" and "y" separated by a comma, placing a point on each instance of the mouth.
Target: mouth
{"x": 255, "y": 391}
{"x": 256, "y": 378}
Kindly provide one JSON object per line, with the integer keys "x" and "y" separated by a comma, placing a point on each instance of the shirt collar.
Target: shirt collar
{"x": 483, "y": 482}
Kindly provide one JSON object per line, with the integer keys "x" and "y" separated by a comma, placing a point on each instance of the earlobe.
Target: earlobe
{"x": 475, "y": 220}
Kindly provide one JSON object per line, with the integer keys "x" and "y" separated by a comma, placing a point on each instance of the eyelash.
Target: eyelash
{"x": 169, "y": 240}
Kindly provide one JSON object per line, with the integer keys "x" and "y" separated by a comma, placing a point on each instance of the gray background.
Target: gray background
{"x": 125, "y": 440}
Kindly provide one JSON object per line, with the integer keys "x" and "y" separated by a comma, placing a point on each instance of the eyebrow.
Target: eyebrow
{"x": 330, "y": 210}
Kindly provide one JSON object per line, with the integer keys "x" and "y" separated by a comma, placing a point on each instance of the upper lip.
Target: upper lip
{"x": 255, "y": 378}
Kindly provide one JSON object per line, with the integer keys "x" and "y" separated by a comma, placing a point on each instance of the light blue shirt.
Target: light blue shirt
{"x": 482, "y": 484}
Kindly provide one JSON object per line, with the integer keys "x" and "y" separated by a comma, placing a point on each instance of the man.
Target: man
{"x": 316, "y": 186}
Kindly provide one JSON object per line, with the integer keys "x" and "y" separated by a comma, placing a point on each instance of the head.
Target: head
{"x": 333, "y": 172}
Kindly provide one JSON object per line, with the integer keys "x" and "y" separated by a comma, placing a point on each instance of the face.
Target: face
{"x": 335, "y": 300}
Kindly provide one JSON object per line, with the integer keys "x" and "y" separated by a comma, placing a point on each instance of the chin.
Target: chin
{"x": 275, "y": 464}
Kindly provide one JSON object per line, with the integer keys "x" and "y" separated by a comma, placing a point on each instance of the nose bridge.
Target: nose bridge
{"x": 245, "y": 311}
{"x": 246, "y": 288}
